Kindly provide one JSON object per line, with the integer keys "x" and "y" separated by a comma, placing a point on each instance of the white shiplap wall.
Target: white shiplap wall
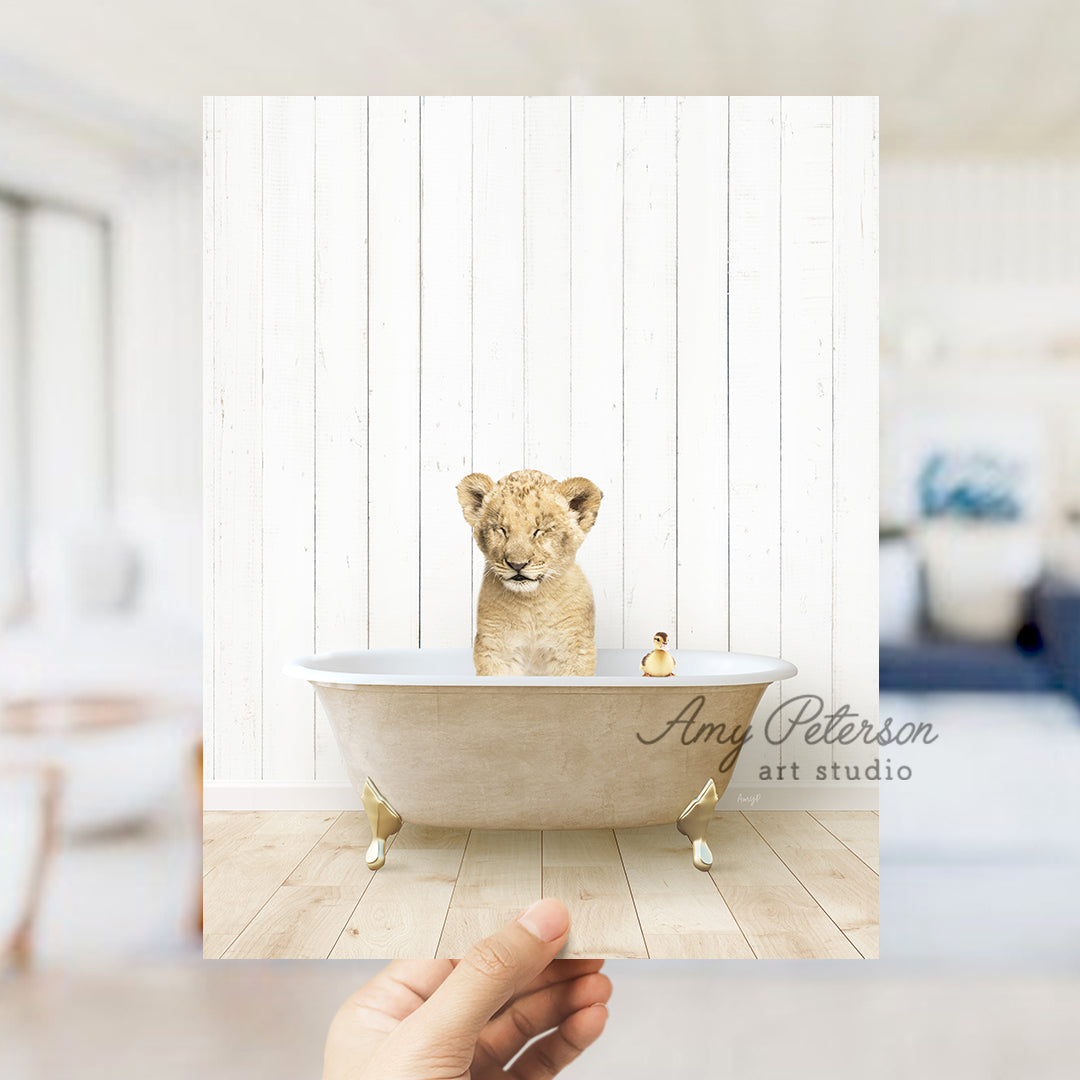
{"x": 674, "y": 297}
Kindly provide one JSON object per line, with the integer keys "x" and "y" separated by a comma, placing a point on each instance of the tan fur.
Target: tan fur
{"x": 543, "y": 626}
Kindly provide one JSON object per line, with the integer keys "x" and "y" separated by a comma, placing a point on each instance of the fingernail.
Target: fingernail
{"x": 546, "y": 919}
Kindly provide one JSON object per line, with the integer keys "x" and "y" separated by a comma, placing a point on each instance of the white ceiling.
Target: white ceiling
{"x": 954, "y": 76}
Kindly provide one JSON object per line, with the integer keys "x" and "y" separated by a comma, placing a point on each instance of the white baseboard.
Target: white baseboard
{"x": 278, "y": 795}
{"x": 312, "y": 795}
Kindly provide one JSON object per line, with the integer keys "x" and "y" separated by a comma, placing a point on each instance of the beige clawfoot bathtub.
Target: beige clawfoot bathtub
{"x": 427, "y": 741}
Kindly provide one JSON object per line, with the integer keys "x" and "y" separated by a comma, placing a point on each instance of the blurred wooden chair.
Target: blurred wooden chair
{"x": 29, "y": 804}
{"x": 62, "y": 722}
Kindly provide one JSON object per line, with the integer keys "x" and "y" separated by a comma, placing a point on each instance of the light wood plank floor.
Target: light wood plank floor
{"x": 785, "y": 884}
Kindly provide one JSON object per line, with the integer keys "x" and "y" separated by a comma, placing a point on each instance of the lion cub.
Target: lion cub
{"x": 535, "y": 612}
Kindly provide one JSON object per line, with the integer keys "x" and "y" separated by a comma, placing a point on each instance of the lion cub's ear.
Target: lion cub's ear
{"x": 584, "y": 499}
{"x": 471, "y": 492}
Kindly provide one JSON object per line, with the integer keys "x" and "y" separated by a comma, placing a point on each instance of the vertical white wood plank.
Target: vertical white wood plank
{"x": 701, "y": 459}
{"x": 649, "y": 377}
{"x": 498, "y": 260}
{"x": 596, "y": 247}
{"x": 547, "y": 285}
{"x": 446, "y": 420}
{"x": 855, "y": 412}
{"x": 394, "y": 372}
{"x": 68, "y": 408}
{"x": 237, "y": 421}
{"x": 754, "y": 399}
{"x": 806, "y": 411}
{"x": 498, "y": 286}
{"x": 211, "y": 426}
{"x": 341, "y": 393}
{"x": 288, "y": 409}
{"x": 12, "y": 460}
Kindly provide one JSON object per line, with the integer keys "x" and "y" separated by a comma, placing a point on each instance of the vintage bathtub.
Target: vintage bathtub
{"x": 427, "y": 741}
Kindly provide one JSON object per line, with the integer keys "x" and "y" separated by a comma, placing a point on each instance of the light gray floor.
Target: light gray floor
{"x": 267, "y": 1020}
{"x": 129, "y": 894}
{"x": 980, "y": 850}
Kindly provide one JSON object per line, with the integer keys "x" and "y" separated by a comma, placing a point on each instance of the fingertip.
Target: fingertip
{"x": 586, "y": 1025}
{"x": 547, "y": 920}
{"x": 592, "y": 989}
{"x": 602, "y": 989}
{"x": 598, "y": 1015}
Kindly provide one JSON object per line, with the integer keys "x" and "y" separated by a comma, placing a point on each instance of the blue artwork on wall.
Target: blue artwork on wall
{"x": 972, "y": 485}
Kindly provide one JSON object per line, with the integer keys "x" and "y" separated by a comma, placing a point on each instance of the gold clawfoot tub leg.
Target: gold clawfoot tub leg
{"x": 694, "y": 820}
{"x": 384, "y": 821}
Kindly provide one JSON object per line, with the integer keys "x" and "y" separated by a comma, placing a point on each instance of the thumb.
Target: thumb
{"x": 491, "y": 973}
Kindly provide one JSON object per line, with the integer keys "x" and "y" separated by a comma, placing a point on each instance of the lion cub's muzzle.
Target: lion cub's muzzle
{"x": 520, "y": 582}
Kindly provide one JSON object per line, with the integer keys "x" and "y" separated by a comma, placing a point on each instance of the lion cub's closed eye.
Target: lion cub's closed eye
{"x": 535, "y": 614}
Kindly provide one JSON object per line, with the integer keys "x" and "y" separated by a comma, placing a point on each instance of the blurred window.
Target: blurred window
{"x": 55, "y": 380}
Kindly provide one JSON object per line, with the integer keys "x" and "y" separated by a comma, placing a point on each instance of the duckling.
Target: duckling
{"x": 659, "y": 663}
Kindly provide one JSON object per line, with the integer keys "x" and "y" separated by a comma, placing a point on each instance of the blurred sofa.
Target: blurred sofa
{"x": 101, "y": 681}
{"x": 1044, "y": 657}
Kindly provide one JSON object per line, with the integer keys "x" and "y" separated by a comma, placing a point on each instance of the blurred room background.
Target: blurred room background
{"x": 100, "y": 413}
{"x": 100, "y": 496}
{"x": 980, "y": 548}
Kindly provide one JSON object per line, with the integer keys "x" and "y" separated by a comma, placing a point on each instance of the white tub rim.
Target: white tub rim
{"x": 696, "y": 667}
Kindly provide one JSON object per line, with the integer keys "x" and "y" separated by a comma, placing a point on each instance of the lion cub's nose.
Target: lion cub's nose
{"x": 517, "y": 565}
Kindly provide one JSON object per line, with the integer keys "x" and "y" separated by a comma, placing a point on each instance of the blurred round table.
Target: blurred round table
{"x": 74, "y": 714}
{"x": 122, "y": 758}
